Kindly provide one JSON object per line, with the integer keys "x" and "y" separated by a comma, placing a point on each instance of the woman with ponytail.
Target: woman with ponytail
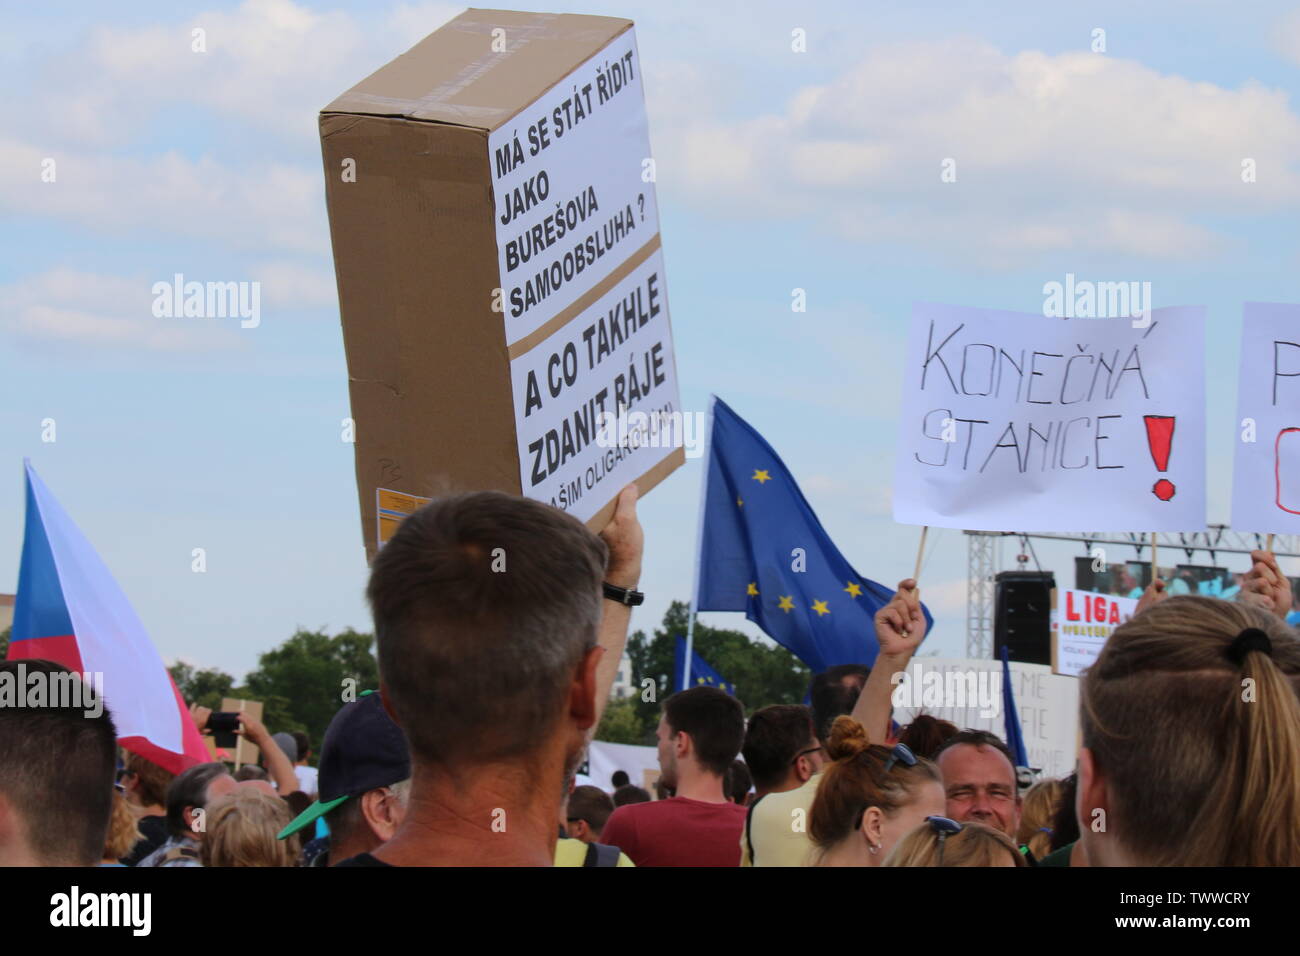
{"x": 869, "y": 797}
{"x": 1191, "y": 740}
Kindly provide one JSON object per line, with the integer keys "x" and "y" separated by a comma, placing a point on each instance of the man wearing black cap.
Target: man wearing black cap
{"x": 364, "y": 781}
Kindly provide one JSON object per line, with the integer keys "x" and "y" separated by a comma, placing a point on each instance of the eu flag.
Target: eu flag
{"x": 763, "y": 551}
{"x": 702, "y": 674}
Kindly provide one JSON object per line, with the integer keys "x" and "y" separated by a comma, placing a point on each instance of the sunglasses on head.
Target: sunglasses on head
{"x": 943, "y": 826}
{"x": 901, "y": 754}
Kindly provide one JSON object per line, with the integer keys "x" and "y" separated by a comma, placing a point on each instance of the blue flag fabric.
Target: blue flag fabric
{"x": 1015, "y": 740}
{"x": 702, "y": 674}
{"x": 809, "y": 600}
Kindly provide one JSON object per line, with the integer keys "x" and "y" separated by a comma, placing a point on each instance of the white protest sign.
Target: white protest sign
{"x": 969, "y": 693}
{"x": 574, "y": 186}
{"x": 596, "y": 402}
{"x": 1014, "y": 421}
{"x": 1266, "y": 464}
{"x": 1082, "y": 621}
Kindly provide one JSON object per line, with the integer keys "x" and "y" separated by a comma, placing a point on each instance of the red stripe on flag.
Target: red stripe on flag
{"x": 62, "y": 650}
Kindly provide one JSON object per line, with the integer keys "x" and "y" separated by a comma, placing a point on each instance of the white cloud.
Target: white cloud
{"x": 255, "y": 206}
{"x": 1073, "y": 152}
{"x": 270, "y": 63}
{"x": 1286, "y": 36}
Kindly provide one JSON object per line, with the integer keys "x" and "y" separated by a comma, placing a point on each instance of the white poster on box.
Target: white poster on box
{"x": 574, "y": 186}
{"x": 1014, "y": 421}
{"x": 1266, "y": 460}
{"x": 596, "y": 402}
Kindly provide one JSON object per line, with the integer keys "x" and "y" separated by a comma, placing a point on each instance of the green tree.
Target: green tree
{"x": 621, "y": 724}
{"x": 206, "y": 686}
{"x": 763, "y": 673}
{"x": 4, "y": 643}
{"x": 301, "y": 682}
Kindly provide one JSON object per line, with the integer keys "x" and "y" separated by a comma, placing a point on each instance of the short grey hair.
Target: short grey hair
{"x": 484, "y": 604}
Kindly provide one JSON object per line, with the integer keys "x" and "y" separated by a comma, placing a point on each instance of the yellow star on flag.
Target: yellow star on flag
{"x": 699, "y": 680}
{"x": 752, "y": 590}
{"x": 761, "y": 476}
{"x": 740, "y": 502}
{"x": 820, "y": 607}
{"x": 855, "y": 590}
{"x": 785, "y": 604}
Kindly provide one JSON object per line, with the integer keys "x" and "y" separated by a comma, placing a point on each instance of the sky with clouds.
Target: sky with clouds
{"x": 776, "y": 170}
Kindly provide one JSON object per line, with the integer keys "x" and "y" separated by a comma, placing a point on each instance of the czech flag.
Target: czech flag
{"x": 71, "y": 611}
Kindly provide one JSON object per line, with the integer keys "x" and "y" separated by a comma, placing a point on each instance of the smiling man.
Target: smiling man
{"x": 979, "y": 778}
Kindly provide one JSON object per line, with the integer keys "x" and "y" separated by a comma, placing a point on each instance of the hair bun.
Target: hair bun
{"x": 848, "y": 738}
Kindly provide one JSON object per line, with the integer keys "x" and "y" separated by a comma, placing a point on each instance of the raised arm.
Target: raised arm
{"x": 626, "y": 542}
{"x": 900, "y": 626}
{"x": 1265, "y": 586}
{"x": 278, "y": 764}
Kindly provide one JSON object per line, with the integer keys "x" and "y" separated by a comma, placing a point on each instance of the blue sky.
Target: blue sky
{"x": 776, "y": 170}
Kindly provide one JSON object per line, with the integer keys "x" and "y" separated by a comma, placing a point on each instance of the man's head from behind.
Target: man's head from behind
{"x": 979, "y": 780}
{"x": 700, "y": 732}
{"x": 486, "y": 612}
{"x": 189, "y": 795}
{"x": 834, "y": 692}
{"x": 588, "y": 809}
{"x": 780, "y": 747}
{"x": 56, "y": 769}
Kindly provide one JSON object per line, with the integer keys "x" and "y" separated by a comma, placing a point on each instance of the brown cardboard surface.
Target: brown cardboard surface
{"x": 454, "y": 76}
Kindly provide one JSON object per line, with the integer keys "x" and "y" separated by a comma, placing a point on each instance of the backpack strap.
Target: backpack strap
{"x": 601, "y": 854}
{"x": 178, "y": 853}
{"x": 749, "y": 835}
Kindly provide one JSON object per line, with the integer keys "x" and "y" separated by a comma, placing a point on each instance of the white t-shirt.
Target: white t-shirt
{"x": 306, "y": 780}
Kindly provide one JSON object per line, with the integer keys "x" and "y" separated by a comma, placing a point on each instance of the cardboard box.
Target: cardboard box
{"x": 501, "y": 285}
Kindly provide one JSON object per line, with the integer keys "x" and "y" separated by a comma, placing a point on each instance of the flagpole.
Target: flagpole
{"x": 699, "y": 545}
{"x": 920, "y": 553}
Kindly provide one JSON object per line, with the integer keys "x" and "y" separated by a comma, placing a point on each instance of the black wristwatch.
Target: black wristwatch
{"x": 623, "y": 595}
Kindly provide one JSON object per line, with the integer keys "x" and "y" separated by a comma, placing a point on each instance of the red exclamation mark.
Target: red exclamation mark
{"x": 1160, "y": 437}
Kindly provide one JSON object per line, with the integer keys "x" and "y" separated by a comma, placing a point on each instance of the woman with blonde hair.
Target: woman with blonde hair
{"x": 1191, "y": 740}
{"x": 868, "y": 798}
{"x": 1037, "y": 811}
{"x": 241, "y": 828}
{"x": 940, "y": 841}
{"x": 123, "y": 830}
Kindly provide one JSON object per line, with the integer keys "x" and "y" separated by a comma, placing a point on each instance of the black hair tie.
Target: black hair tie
{"x": 1251, "y": 639}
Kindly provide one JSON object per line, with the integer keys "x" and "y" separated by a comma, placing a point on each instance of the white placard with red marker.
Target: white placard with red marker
{"x": 1081, "y": 623}
{"x": 1014, "y": 421}
{"x": 1266, "y": 464}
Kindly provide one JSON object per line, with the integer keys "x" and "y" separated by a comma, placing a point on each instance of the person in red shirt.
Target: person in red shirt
{"x": 700, "y": 733}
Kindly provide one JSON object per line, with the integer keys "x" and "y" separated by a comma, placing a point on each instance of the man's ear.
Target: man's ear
{"x": 583, "y": 706}
{"x": 579, "y": 830}
{"x": 377, "y": 807}
{"x": 803, "y": 769}
{"x": 1092, "y": 795}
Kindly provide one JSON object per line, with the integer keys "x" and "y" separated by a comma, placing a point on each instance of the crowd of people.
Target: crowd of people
{"x": 492, "y": 683}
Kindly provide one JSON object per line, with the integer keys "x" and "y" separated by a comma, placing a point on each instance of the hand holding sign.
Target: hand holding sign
{"x": 1265, "y": 586}
{"x": 900, "y": 624}
{"x": 625, "y": 539}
